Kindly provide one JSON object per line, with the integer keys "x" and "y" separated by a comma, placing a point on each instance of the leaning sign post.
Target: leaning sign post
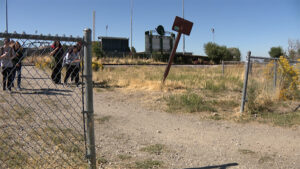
{"x": 181, "y": 26}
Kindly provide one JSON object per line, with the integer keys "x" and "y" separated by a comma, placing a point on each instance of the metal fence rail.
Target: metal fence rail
{"x": 43, "y": 123}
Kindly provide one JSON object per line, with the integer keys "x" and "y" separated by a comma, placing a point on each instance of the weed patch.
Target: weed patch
{"x": 245, "y": 151}
{"x": 148, "y": 164}
{"x": 103, "y": 119}
{"x": 124, "y": 157}
{"x": 188, "y": 103}
{"x": 156, "y": 149}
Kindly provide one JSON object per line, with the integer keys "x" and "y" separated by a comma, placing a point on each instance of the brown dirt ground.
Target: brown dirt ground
{"x": 131, "y": 121}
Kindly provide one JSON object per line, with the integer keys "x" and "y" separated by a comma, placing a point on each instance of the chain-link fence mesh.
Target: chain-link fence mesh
{"x": 41, "y": 120}
{"x": 272, "y": 93}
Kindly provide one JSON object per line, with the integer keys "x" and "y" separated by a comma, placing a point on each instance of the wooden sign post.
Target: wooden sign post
{"x": 181, "y": 26}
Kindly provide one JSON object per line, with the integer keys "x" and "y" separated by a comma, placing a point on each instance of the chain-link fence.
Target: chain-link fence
{"x": 270, "y": 92}
{"x": 42, "y": 120}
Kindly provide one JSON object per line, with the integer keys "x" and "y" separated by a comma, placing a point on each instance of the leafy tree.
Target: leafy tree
{"x": 224, "y": 53}
{"x": 236, "y": 54}
{"x": 217, "y": 53}
{"x": 97, "y": 50}
{"x": 276, "y": 52}
{"x": 211, "y": 50}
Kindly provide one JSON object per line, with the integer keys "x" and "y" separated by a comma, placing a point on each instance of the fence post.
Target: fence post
{"x": 247, "y": 66}
{"x": 223, "y": 67}
{"x": 275, "y": 74}
{"x": 88, "y": 96}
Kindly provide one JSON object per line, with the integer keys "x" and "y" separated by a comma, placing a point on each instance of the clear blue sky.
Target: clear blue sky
{"x": 254, "y": 25}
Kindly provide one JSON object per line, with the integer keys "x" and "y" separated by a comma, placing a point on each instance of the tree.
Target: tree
{"x": 224, "y": 53}
{"x": 217, "y": 53}
{"x": 294, "y": 49}
{"x": 292, "y": 54}
{"x": 236, "y": 54}
{"x": 211, "y": 50}
{"x": 276, "y": 52}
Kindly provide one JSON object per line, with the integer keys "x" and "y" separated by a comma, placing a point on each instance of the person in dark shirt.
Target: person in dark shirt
{"x": 17, "y": 62}
{"x": 57, "y": 53}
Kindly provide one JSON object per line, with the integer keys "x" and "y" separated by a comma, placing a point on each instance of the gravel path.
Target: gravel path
{"x": 188, "y": 141}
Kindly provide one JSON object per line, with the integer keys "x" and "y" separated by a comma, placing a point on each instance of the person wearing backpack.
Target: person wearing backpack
{"x": 6, "y": 55}
{"x": 72, "y": 63}
{"x": 57, "y": 53}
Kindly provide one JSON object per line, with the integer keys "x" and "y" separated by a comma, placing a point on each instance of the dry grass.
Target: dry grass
{"x": 179, "y": 79}
{"x": 206, "y": 90}
{"x": 129, "y": 60}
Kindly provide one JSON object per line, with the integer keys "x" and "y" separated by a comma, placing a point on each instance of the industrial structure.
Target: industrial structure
{"x": 159, "y": 40}
{"x": 114, "y": 46}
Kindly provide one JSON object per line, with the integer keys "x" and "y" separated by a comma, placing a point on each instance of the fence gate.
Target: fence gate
{"x": 42, "y": 123}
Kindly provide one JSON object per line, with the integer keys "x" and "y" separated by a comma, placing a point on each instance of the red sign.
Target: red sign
{"x": 183, "y": 26}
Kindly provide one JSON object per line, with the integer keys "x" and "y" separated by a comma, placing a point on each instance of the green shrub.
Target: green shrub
{"x": 189, "y": 102}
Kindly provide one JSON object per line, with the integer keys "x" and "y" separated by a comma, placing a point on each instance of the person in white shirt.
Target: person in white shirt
{"x": 72, "y": 63}
{"x": 6, "y": 55}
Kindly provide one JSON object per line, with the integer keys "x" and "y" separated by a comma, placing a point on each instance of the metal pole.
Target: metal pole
{"x": 88, "y": 95}
{"x": 223, "y": 67}
{"x": 94, "y": 17}
{"x": 6, "y": 30}
{"x": 275, "y": 74}
{"x": 131, "y": 13}
{"x": 183, "y": 40}
{"x": 171, "y": 57}
{"x": 245, "y": 82}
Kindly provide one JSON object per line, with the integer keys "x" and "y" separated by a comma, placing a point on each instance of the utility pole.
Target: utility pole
{"x": 183, "y": 40}
{"x": 94, "y": 17}
{"x": 131, "y": 13}
{"x": 213, "y": 32}
{"x": 6, "y": 30}
{"x": 106, "y": 28}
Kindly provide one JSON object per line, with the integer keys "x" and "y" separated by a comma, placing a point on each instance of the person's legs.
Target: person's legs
{"x": 73, "y": 75}
{"x": 14, "y": 71}
{"x": 58, "y": 75}
{"x": 68, "y": 73}
{"x": 4, "y": 74}
{"x": 10, "y": 78}
{"x": 76, "y": 72}
{"x": 54, "y": 72}
{"x": 19, "y": 76}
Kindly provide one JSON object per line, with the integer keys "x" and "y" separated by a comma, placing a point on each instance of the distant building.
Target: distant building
{"x": 114, "y": 46}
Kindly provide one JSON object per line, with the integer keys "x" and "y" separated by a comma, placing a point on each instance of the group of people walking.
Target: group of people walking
{"x": 12, "y": 54}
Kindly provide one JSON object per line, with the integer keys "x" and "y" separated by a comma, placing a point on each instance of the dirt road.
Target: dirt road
{"x": 125, "y": 124}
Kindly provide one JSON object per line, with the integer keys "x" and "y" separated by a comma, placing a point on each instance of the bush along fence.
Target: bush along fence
{"x": 267, "y": 80}
{"x": 46, "y": 119}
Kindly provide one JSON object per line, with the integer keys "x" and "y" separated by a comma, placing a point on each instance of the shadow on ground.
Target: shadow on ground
{"x": 104, "y": 85}
{"x": 45, "y": 92}
{"x": 223, "y": 166}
